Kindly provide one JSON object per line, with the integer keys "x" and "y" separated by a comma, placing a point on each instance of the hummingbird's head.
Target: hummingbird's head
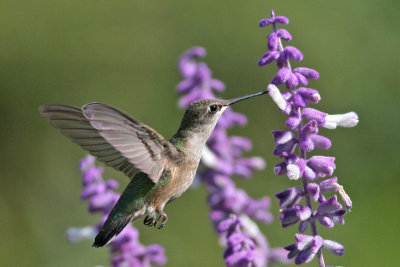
{"x": 205, "y": 112}
{"x": 202, "y": 115}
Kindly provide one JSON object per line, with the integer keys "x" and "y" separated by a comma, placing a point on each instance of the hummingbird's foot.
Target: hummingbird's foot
{"x": 149, "y": 220}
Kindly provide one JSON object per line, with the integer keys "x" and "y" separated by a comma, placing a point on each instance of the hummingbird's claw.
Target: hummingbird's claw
{"x": 164, "y": 220}
{"x": 155, "y": 223}
{"x": 151, "y": 220}
{"x": 148, "y": 221}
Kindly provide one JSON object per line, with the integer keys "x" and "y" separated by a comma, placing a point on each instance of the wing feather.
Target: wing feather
{"x": 113, "y": 137}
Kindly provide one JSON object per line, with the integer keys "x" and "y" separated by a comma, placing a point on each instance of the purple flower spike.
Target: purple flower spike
{"x": 198, "y": 82}
{"x": 240, "y": 249}
{"x": 303, "y": 123}
{"x": 126, "y": 250}
{"x": 232, "y": 209}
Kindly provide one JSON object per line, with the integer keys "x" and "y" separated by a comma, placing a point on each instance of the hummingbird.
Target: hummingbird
{"x": 160, "y": 170}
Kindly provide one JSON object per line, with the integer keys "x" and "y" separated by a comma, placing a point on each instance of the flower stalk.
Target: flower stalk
{"x": 303, "y": 123}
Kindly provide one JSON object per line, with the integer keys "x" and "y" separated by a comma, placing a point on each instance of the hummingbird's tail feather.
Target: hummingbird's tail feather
{"x": 114, "y": 225}
{"x": 109, "y": 230}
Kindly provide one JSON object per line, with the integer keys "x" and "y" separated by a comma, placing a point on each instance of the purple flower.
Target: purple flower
{"x": 291, "y": 216}
{"x": 126, "y": 250}
{"x": 333, "y": 247}
{"x": 330, "y": 212}
{"x": 240, "y": 248}
{"x": 305, "y": 248}
{"x": 232, "y": 209}
{"x": 274, "y": 19}
{"x": 303, "y": 123}
{"x": 198, "y": 82}
{"x": 322, "y": 165}
{"x": 289, "y": 197}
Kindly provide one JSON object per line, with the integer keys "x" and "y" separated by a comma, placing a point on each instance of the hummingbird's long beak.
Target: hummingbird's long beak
{"x": 233, "y": 101}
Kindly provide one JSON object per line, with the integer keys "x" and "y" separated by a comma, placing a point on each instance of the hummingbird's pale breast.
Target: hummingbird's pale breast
{"x": 184, "y": 170}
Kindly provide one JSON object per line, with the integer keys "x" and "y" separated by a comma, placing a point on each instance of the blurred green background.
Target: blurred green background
{"x": 124, "y": 53}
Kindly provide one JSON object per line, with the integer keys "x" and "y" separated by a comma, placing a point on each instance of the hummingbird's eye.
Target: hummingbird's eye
{"x": 212, "y": 109}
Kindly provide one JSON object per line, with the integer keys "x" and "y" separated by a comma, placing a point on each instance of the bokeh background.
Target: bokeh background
{"x": 125, "y": 53}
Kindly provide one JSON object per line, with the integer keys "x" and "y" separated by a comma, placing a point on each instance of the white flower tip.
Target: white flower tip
{"x": 277, "y": 97}
{"x": 258, "y": 163}
{"x": 208, "y": 158}
{"x": 346, "y": 199}
{"x": 316, "y": 97}
{"x": 346, "y": 120}
{"x": 286, "y": 137}
{"x": 293, "y": 172}
{"x": 249, "y": 226}
{"x": 77, "y": 234}
{"x": 350, "y": 120}
{"x": 330, "y": 125}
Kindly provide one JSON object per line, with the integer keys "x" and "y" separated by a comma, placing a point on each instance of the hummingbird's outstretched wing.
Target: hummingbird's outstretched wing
{"x": 113, "y": 137}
